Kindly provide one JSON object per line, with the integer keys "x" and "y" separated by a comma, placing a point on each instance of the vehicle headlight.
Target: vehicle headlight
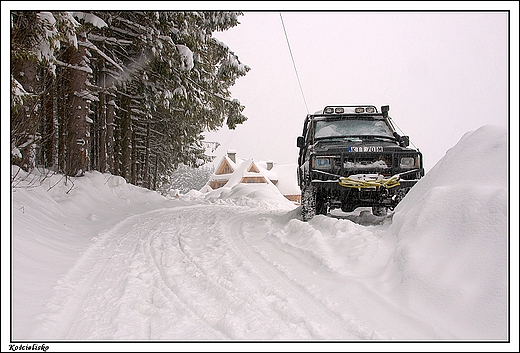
{"x": 322, "y": 163}
{"x": 407, "y": 162}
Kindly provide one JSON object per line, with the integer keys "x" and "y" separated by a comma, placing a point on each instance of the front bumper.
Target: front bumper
{"x": 364, "y": 181}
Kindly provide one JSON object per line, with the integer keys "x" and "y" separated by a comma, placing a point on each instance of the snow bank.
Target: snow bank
{"x": 251, "y": 195}
{"x": 451, "y": 257}
{"x": 54, "y": 220}
{"x": 339, "y": 245}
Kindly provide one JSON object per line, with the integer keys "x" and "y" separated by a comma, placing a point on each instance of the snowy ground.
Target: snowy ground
{"x": 97, "y": 259}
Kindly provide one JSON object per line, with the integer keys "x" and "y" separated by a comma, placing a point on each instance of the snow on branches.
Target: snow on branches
{"x": 151, "y": 83}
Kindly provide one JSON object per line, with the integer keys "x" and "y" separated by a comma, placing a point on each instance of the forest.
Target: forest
{"x": 123, "y": 92}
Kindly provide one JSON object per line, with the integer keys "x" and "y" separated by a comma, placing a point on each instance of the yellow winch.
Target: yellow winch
{"x": 369, "y": 181}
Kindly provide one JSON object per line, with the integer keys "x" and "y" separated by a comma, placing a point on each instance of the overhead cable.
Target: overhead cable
{"x": 294, "y": 64}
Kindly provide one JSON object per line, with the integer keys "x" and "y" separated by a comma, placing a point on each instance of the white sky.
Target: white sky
{"x": 442, "y": 73}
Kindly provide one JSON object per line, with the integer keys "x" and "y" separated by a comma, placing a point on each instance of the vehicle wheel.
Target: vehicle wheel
{"x": 308, "y": 202}
{"x": 379, "y": 211}
{"x": 321, "y": 204}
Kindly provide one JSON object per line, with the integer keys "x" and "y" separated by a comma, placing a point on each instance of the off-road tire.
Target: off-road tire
{"x": 313, "y": 203}
{"x": 308, "y": 202}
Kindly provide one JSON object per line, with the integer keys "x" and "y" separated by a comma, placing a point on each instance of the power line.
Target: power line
{"x": 294, "y": 64}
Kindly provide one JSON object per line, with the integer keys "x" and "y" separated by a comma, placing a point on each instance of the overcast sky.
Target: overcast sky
{"x": 442, "y": 73}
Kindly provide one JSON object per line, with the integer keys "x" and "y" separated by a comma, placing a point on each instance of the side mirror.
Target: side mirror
{"x": 385, "y": 109}
{"x": 300, "y": 142}
{"x": 405, "y": 141}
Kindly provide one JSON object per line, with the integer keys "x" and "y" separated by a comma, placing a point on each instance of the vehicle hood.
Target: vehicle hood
{"x": 331, "y": 146}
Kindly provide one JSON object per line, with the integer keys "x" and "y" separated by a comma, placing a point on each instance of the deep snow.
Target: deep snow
{"x": 96, "y": 259}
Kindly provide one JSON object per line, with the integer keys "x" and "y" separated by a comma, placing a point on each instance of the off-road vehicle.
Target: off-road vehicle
{"x": 352, "y": 156}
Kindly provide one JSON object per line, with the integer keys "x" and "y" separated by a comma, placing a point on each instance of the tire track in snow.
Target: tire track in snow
{"x": 192, "y": 273}
{"x": 144, "y": 280}
{"x": 236, "y": 308}
{"x": 351, "y": 289}
{"x": 300, "y": 305}
{"x": 109, "y": 293}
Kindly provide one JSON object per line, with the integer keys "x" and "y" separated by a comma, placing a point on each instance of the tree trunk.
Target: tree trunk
{"x": 61, "y": 117}
{"x": 77, "y": 141}
{"x": 110, "y": 107}
{"x": 154, "y": 187}
{"x": 146, "y": 179}
{"x": 134, "y": 161}
{"x": 102, "y": 114}
{"x": 49, "y": 125}
{"x": 102, "y": 160}
{"x": 126, "y": 138}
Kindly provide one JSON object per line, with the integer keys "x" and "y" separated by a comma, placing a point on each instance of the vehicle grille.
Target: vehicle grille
{"x": 355, "y": 163}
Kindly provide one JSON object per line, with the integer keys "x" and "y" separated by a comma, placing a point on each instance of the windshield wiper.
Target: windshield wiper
{"x": 331, "y": 138}
{"x": 377, "y": 137}
{"x": 353, "y": 138}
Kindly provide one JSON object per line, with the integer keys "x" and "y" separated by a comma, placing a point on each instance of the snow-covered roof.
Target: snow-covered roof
{"x": 282, "y": 175}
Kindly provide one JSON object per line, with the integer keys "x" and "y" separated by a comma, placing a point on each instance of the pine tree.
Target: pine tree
{"x": 126, "y": 92}
{"x": 26, "y": 35}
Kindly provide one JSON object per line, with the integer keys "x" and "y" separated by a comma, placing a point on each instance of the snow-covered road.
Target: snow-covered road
{"x": 229, "y": 272}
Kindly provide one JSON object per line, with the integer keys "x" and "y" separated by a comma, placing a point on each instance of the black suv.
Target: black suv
{"x": 351, "y": 156}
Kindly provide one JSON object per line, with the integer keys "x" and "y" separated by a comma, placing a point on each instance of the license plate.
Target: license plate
{"x": 365, "y": 149}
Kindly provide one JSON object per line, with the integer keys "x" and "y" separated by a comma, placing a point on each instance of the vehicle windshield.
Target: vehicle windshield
{"x": 351, "y": 127}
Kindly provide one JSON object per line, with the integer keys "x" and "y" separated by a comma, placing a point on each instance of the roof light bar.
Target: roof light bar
{"x": 350, "y": 109}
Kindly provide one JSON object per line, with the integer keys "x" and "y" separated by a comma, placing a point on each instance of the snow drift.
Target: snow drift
{"x": 451, "y": 257}
{"x": 54, "y": 221}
